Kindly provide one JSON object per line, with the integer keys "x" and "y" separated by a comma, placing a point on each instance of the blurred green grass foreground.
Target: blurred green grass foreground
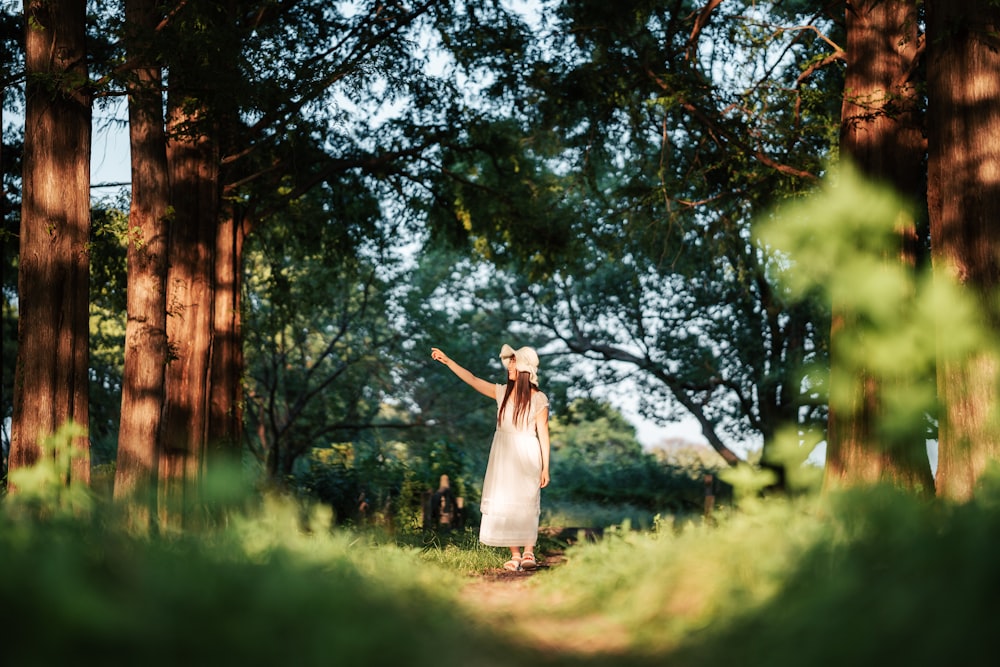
{"x": 864, "y": 577}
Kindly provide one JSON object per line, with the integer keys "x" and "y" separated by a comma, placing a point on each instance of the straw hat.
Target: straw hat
{"x": 526, "y": 358}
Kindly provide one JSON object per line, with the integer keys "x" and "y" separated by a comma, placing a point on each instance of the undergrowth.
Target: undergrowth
{"x": 563, "y": 514}
{"x": 870, "y": 576}
{"x": 866, "y": 577}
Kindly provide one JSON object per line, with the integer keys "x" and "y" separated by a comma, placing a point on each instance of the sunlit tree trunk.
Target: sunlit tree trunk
{"x": 146, "y": 328}
{"x": 193, "y": 162}
{"x": 881, "y": 136}
{"x": 203, "y": 412}
{"x": 963, "y": 72}
{"x": 225, "y": 432}
{"x": 51, "y": 378}
{"x": 225, "y": 427}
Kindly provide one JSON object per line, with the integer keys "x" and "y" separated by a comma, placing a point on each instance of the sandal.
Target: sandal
{"x": 513, "y": 565}
{"x": 528, "y": 561}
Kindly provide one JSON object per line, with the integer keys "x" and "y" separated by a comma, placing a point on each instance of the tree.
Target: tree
{"x": 51, "y": 376}
{"x": 963, "y": 120}
{"x": 596, "y": 433}
{"x": 193, "y": 114}
{"x": 11, "y": 70}
{"x": 596, "y": 458}
{"x": 622, "y": 202}
{"x": 252, "y": 139}
{"x": 321, "y": 337}
{"x": 146, "y": 328}
{"x": 881, "y": 134}
{"x": 224, "y": 429}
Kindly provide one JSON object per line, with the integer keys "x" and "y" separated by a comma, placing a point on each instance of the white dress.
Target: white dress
{"x": 511, "y": 489}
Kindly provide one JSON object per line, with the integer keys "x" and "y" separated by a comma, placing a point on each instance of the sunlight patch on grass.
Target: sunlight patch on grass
{"x": 664, "y": 585}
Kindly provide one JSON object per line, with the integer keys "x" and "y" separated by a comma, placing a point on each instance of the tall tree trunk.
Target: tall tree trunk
{"x": 225, "y": 429}
{"x": 3, "y": 302}
{"x": 880, "y": 134}
{"x": 963, "y": 193}
{"x": 146, "y": 328}
{"x": 193, "y": 162}
{"x": 53, "y": 294}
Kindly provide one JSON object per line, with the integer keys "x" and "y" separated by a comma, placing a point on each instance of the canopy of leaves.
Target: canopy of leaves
{"x": 653, "y": 137}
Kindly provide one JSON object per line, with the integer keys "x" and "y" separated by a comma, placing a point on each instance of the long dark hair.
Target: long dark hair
{"x": 520, "y": 387}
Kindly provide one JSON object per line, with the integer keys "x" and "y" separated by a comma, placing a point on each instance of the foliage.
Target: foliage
{"x": 319, "y": 331}
{"x": 597, "y": 459}
{"x": 644, "y": 483}
{"x": 569, "y": 517}
{"x": 261, "y": 593}
{"x": 833, "y": 581}
{"x": 358, "y": 489}
{"x": 890, "y": 563}
{"x": 595, "y": 432}
{"x": 109, "y": 220}
{"x": 648, "y": 146}
{"x": 46, "y": 489}
{"x": 833, "y": 247}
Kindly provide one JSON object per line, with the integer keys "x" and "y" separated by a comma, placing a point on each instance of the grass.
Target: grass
{"x": 867, "y": 577}
{"x": 260, "y": 592}
{"x": 459, "y": 551}
{"x": 677, "y": 580}
{"x": 594, "y": 515}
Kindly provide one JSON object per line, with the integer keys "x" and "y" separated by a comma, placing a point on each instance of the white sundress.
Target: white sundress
{"x": 511, "y": 493}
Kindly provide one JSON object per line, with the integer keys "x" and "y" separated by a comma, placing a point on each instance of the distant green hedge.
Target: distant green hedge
{"x": 640, "y": 482}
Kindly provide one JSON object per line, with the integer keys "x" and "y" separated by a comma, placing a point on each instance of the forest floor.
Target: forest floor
{"x": 514, "y": 605}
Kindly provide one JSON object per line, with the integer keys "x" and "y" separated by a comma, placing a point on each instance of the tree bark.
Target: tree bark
{"x": 963, "y": 193}
{"x": 51, "y": 375}
{"x": 225, "y": 418}
{"x": 193, "y": 163}
{"x": 225, "y": 431}
{"x": 881, "y": 136}
{"x": 146, "y": 328}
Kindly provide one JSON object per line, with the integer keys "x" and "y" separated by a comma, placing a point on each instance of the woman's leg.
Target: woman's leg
{"x": 528, "y": 560}
{"x": 515, "y": 559}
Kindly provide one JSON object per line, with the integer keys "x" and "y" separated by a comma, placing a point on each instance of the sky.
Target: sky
{"x": 109, "y": 160}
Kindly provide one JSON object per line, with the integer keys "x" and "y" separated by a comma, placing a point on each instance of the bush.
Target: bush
{"x": 641, "y": 482}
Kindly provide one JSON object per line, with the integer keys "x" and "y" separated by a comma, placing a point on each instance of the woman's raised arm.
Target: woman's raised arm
{"x": 482, "y": 386}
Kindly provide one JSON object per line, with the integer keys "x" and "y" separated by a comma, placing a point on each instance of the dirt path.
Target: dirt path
{"x": 519, "y": 606}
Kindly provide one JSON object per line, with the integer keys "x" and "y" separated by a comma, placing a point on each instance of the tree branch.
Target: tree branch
{"x": 699, "y": 23}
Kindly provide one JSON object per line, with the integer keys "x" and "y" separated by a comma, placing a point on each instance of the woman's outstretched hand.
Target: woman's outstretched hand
{"x": 482, "y": 386}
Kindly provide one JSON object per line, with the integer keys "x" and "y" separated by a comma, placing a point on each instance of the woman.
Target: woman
{"x": 518, "y": 467}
